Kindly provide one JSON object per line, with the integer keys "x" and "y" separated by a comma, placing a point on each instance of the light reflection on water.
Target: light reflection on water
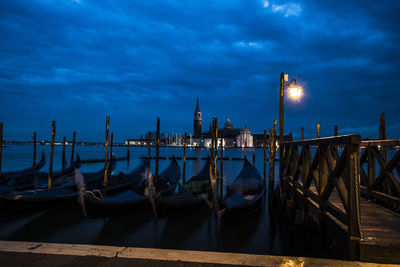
{"x": 260, "y": 232}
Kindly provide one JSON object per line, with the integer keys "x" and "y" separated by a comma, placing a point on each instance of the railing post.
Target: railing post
{"x": 354, "y": 217}
{"x": 318, "y": 130}
{"x": 302, "y": 133}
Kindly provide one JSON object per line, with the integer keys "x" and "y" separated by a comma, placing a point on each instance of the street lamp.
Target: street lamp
{"x": 295, "y": 93}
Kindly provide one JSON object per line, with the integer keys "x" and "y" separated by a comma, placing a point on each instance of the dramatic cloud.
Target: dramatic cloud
{"x": 76, "y": 61}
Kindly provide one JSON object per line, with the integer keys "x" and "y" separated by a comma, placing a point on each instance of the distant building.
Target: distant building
{"x": 228, "y": 125}
{"x": 244, "y": 139}
{"x": 197, "y": 121}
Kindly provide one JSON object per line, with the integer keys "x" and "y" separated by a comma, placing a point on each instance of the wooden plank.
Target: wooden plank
{"x": 381, "y": 196}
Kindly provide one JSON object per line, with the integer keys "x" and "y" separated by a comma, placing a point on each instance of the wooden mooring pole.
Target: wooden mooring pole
{"x": 34, "y": 152}
{"x": 184, "y": 159}
{"x": 157, "y": 149}
{"x": 111, "y": 153}
{"x": 254, "y": 156}
{"x": 1, "y": 146}
{"x": 72, "y": 149}
{"x": 53, "y": 136}
{"x": 106, "y": 154}
{"x": 221, "y": 180}
{"x": 148, "y": 149}
{"x": 128, "y": 152}
{"x": 265, "y": 155}
{"x": 63, "y": 154}
{"x": 335, "y": 130}
{"x": 318, "y": 130}
{"x": 302, "y": 133}
{"x": 216, "y": 153}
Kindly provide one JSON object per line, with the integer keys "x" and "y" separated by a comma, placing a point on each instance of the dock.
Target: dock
{"x": 14, "y": 253}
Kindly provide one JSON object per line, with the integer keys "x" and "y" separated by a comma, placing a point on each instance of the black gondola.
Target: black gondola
{"x": 59, "y": 196}
{"x": 15, "y": 177}
{"x": 193, "y": 195}
{"x": 245, "y": 193}
{"x": 95, "y": 204}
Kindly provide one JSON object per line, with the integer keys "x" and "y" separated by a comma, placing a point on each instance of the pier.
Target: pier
{"x": 358, "y": 210}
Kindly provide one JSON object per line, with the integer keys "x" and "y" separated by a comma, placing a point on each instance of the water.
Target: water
{"x": 263, "y": 232}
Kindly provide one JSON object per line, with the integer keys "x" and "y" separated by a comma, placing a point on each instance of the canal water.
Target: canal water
{"x": 262, "y": 232}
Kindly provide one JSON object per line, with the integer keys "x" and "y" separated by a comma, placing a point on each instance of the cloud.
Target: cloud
{"x": 287, "y": 9}
{"x": 136, "y": 60}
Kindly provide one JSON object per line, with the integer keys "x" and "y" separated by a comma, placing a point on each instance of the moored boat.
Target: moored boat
{"x": 95, "y": 204}
{"x": 245, "y": 193}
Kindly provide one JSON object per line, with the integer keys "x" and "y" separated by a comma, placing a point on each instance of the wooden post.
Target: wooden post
{"x": 382, "y": 134}
{"x": 353, "y": 176}
{"x": 318, "y": 130}
{"x": 128, "y": 152}
{"x": 34, "y": 152}
{"x": 382, "y": 127}
{"x": 1, "y": 146}
{"x": 265, "y": 154}
{"x": 63, "y": 154}
{"x": 106, "y": 154}
{"x": 212, "y": 144}
{"x": 254, "y": 156}
{"x": 216, "y": 153}
{"x": 290, "y": 137}
{"x": 111, "y": 153}
{"x": 157, "y": 149}
{"x": 184, "y": 159}
{"x": 221, "y": 180}
{"x": 335, "y": 130}
{"x": 302, "y": 133}
{"x": 72, "y": 149}
{"x": 271, "y": 162}
{"x": 148, "y": 149}
{"x": 53, "y": 136}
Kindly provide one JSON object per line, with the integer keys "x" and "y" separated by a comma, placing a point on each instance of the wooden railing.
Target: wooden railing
{"x": 334, "y": 167}
{"x": 384, "y": 187}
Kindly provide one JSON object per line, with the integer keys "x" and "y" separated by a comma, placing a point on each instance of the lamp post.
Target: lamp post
{"x": 295, "y": 92}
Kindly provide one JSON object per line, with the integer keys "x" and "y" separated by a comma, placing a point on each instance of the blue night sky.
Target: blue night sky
{"x": 76, "y": 61}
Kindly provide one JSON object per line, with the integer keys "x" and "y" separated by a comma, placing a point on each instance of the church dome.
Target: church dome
{"x": 228, "y": 125}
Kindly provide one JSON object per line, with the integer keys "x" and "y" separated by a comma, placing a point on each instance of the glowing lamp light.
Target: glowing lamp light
{"x": 295, "y": 91}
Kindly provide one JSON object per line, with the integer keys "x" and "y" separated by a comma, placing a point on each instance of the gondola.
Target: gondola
{"x": 94, "y": 204}
{"x": 14, "y": 177}
{"x": 67, "y": 194}
{"x": 193, "y": 195}
{"x": 245, "y": 193}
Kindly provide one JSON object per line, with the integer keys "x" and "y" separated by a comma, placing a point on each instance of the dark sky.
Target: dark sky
{"x": 76, "y": 61}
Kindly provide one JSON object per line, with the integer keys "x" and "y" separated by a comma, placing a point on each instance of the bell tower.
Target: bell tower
{"x": 197, "y": 120}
